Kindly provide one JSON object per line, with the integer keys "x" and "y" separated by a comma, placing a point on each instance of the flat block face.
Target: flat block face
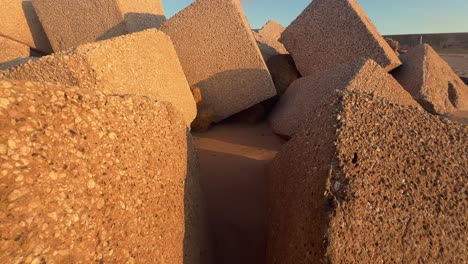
{"x": 309, "y": 93}
{"x": 383, "y": 170}
{"x": 329, "y": 33}
{"x": 143, "y": 63}
{"x": 142, "y": 14}
{"x": 11, "y": 50}
{"x": 219, "y": 55}
{"x": 19, "y": 22}
{"x": 431, "y": 81}
{"x": 70, "y": 23}
{"x": 88, "y": 166}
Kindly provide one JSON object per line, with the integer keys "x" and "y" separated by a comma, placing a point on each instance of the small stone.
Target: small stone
{"x": 11, "y": 144}
{"x": 112, "y": 136}
{"x": 3, "y": 149}
{"x": 16, "y": 194}
{"x": 6, "y": 84}
{"x": 91, "y": 184}
{"x": 4, "y": 103}
{"x": 53, "y": 175}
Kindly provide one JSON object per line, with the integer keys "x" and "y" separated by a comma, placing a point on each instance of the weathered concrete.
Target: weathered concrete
{"x": 87, "y": 177}
{"x": 11, "y": 51}
{"x": 268, "y": 39}
{"x": 283, "y": 72}
{"x": 143, "y": 63}
{"x": 363, "y": 173}
{"x": 71, "y": 23}
{"x": 307, "y": 94}
{"x": 431, "y": 81}
{"x": 329, "y": 33}
{"x": 142, "y": 14}
{"x": 220, "y": 56}
{"x": 19, "y": 22}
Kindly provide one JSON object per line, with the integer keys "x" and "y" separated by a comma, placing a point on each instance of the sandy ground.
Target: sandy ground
{"x": 232, "y": 159}
{"x": 459, "y": 63}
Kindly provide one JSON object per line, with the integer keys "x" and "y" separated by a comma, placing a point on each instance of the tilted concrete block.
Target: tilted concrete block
{"x": 143, "y": 63}
{"x": 19, "y": 22}
{"x": 220, "y": 56}
{"x": 329, "y": 33}
{"x": 363, "y": 173}
{"x": 431, "y": 81}
{"x": 309, "y": 93}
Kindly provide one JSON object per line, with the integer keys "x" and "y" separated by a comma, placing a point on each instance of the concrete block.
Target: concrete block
{"x": 220, "y": 56}
{"x": 329, "y": 33}
{"x": 308, "y": 93}
{"x": 431, "y": 81}
{"x": 19, "y": 22}
{"x": 140, "y": 15}
{"x": 11, "y": 51}
{"x": 97, "y": 178}
{"x": 268, "y": 39}
{"x": 143, "y": 63}
{"x": 363, "y": 173}
{"x": 70, "y": 23}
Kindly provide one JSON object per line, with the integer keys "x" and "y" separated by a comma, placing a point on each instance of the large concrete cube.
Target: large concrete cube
{"x": 328, "y": 33}
{"x": 268, "y": 39}
{"x": 308, "y": 93}
{"x": 431, "y": 81}
{"x": 143, "y": 63}
{"x": 367, "y": 181}
{"x": 70, "y": 23}
{"x": 220, "y": 56}
{"x": 11, "y": 51}
{"x": 19, "y": 22}
{"x": 90, "y": 178}
{"x": 142, "y": 14}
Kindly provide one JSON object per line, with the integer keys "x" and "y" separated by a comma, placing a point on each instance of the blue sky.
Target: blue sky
{"x": 390, "y": 16}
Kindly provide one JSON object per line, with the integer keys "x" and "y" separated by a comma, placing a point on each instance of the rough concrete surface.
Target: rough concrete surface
{"x": 220, "y": 56}
{"x": 386, "y": 187}
{"x": 329, "y": 33}
{"x": 307, "y": 94}
{"x": 19, "y": 22}
{"x": 431, "y": 81}
{"x": 89, "y": 178}
{"x": 268, "y": 39}
{"x": 71, "y": 23}
{"x": 142, "y": 14}
{"x": 283, "y": 72}
{"x": 11, "y": 51}
{"x": 143, "y": 63}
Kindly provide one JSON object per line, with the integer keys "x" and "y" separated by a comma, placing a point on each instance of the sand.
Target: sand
{"x": 232, "y": 161}
{"x": 458, "y": 62}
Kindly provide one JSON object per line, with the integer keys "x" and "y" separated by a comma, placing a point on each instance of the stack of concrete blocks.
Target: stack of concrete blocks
{"x": 70, "y": 23}
{"x": 143, "y": 63}
{"x": 220, "y": 56}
